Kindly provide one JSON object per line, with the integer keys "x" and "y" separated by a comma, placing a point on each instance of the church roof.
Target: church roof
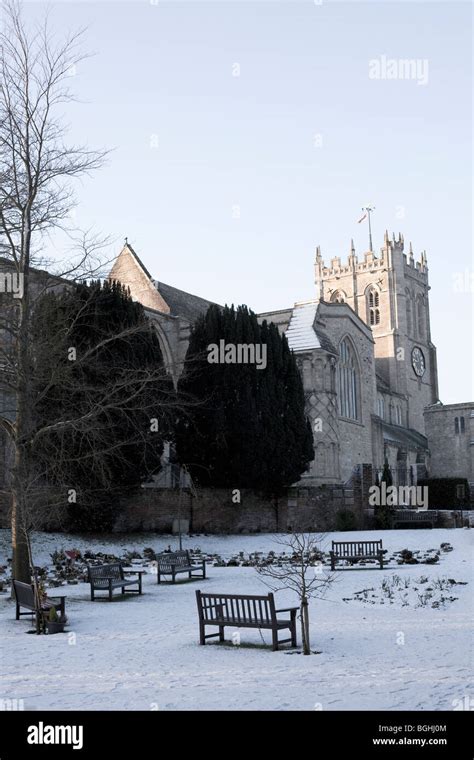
{"x": 137, "y": 258}
{"x": 180, "y": 303}
{"x": 9, "y": 263}
{"x": 183, "y": 304}
{"x": 404, "y": 436}
{"x": 304, "y": 331}
{"x": 300, "y": 333}
{"x": 324, "y": 340}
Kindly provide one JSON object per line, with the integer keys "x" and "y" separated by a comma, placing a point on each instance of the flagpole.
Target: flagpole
{"x": 369, "y": 210}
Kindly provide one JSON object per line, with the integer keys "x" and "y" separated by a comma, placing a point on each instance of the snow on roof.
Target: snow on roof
{"x": 300, "y": 334}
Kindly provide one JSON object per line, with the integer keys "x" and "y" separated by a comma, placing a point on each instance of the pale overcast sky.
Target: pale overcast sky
{"x": 246, "y": 133}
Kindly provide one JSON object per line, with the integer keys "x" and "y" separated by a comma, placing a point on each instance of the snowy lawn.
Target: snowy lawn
{"x": 142, "y": 652}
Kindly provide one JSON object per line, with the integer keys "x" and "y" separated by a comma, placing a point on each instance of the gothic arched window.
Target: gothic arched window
{"x": 348, "y": 381}
{"x": 456, "y": 425}
{"x": 381, "y": 406}
{"x": 373, "y": 303}
{"x": 409, "y": 319}
{"x": 420, "y": 309}
{"x": 461, "y": 420}
{"x": 414, "y": 314}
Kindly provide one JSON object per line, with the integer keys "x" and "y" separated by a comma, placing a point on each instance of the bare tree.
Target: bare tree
{"x": 301, "y": 571}
{"x": 36, "y": 169}
{"x": 77, "y": 450}
{"x": 85, "y": 436}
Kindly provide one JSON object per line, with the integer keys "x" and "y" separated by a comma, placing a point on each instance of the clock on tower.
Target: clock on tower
{"x": 418, "y": 361}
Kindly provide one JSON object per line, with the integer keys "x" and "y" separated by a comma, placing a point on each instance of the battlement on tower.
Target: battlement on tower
{"x": 419, "y": 269}
{"x": 390, "y": 251}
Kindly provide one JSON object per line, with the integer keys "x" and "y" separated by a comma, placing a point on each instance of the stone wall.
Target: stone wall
{"x": 452, "y": 453}
{"x": 213, "y": 511}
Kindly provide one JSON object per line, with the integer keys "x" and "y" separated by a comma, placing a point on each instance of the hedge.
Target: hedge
{"x": 442, "y": 493}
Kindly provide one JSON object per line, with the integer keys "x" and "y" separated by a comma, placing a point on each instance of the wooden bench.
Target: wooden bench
{"x": 25, "y": 597}
{"x": 356, "y": 550}
{"x": 423, "y": 517}
{"x": 244, "y": 612}
{"x": 108, "y": 577}
{"x": 172, "y": 563}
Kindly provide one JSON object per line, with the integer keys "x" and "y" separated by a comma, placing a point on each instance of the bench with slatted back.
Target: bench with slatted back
{"x": 244, "y": 612}
{"x": 424, "y": 516}
{"x": 25, "y": 597}
{"x": 356, "y": 550}
{"x": 172, "y": 563}
{"x": 109, "y": 577}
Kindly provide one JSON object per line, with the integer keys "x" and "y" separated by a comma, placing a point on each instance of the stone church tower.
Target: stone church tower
{"x": 389, "y": 293}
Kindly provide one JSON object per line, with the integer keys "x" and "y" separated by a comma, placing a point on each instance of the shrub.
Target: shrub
{"x": 383, "y": 517}
{"x": 442, "y": 492}
{"x": 345, "y": 520}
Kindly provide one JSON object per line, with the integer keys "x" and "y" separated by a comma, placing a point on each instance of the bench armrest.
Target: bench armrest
{"x": 288, "y": 609}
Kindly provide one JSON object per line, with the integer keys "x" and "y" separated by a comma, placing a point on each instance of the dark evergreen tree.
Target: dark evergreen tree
{"x": 248, "y": 427}
{"x": 93, "y": 341}
{"x": 387, "y": 473}
{"x": 384, "y": 512}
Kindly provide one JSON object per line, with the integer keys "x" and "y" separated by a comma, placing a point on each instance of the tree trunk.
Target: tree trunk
{"x": 20, "y": 518}
{"x": 305, "y": 625}
{"x": 21, "y": 569}
{"x": 20, "y": 559}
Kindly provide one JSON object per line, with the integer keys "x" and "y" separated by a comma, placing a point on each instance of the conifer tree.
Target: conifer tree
{"x": 248, "y": 428}
{"x": 98, "y": 362}
{"x": 387, "y": 473}
{"x": 384, "y": 513}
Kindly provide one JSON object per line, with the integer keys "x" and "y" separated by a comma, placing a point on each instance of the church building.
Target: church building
{"x": 363, "y": 346}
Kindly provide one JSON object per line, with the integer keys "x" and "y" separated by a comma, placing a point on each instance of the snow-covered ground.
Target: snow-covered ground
{"x": 142, "y": 652}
